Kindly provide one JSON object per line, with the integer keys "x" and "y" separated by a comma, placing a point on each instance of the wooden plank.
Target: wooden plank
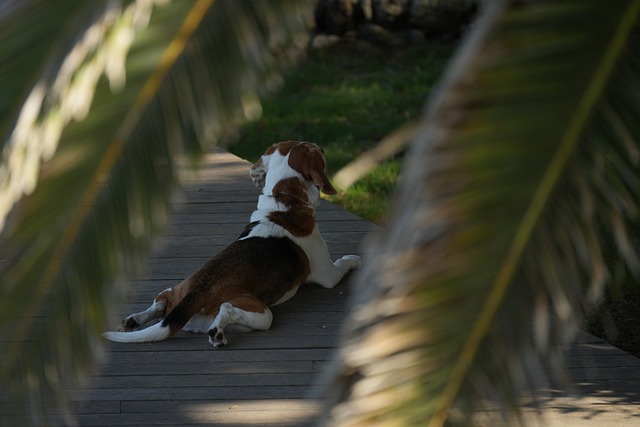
{"x": 228, "y": 355}
{"x": 214, "y": 406}
{"x": 186, "y": 392}
{"x": 627, "y": 373}
{"x": 256, "y": 340}
{"x": 601, "y": 361}
{"x": 224, "y": 196}
{"x": 199, "y": 379}
{"x": 231, "y": 418}
{"x": 152, "y": 367}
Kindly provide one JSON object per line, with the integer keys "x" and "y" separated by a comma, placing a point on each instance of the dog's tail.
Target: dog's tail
{"x": 157, "y": 332}
{"x": 174, "y": 322}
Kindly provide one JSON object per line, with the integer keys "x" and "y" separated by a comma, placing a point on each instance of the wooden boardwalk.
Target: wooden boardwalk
{"x": 262, "y": 377}
{"x": 268, "y": 378}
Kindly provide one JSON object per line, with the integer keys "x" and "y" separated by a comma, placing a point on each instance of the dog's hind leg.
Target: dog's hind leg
{"x": 156, "y": 310}
{"x": 244, "y": 312}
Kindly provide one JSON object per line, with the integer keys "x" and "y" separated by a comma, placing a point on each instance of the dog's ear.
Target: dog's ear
{"x": 308, "y": 159}
{"x": 258, "y": 173}
{"x": 319, "y": 176}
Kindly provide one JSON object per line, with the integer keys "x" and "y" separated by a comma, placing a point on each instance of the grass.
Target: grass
{"x": 347, "y": 97}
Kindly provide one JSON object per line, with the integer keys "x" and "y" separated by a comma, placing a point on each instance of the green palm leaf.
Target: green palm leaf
{"x": 193, "y": 69}
{"x": 525, "y": 168}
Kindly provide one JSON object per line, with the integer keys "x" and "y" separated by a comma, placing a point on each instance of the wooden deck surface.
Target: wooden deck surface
{"x": 268, "y": 378}
{"x": 261, "y": 377}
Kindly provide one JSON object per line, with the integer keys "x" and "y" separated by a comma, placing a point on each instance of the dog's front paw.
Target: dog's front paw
{"x": 350, "y": 262}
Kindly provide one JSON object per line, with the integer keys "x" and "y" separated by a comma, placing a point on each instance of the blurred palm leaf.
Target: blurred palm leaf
{"x": 525, "y": 168}
{"x": 193, "y": 68}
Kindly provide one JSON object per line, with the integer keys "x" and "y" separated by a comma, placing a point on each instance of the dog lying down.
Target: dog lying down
{"x": 278, "y": 251}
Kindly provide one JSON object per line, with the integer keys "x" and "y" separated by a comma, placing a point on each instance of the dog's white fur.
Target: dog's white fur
{"x": 230, "y": 292}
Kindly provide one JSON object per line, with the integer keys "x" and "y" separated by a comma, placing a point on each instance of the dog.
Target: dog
{"x": 278, "y": 251}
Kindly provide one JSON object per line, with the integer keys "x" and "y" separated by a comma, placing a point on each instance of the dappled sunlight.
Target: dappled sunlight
{"x": 605, "y": 407}
{"x": 102, "y": 49}
{"x": 275, "y": 412}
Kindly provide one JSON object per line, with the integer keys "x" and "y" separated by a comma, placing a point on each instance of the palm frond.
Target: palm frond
{"x": 194, "y": 69}
{"x": 524, "y": 168}
{"x": 53, "y": 56}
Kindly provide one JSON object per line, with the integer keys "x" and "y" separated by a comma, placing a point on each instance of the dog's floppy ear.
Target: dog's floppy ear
{"x": 320, "y": 179}
{"x": 308, "y": 159}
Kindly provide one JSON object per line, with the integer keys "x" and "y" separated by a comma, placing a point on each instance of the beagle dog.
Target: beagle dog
{"x": 278, "y": 251}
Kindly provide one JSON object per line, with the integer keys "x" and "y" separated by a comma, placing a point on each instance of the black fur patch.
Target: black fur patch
{"x": 266, "y": 267}
{"x": 248, "y": 229}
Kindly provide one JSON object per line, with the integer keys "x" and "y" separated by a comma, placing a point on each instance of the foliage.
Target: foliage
{"x": 346, "y": 97}
{"x": 524, "y": 168}
{"x": 371, "y": 196}
{"x": 110, "y": 148}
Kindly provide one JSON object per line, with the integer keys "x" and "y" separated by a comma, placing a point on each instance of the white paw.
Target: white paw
{"x": 349, "y": 261}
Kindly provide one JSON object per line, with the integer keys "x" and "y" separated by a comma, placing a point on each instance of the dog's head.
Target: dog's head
{"x": 305, "y": 158}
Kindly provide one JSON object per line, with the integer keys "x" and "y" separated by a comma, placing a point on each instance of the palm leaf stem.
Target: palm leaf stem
{"x": 522, "y": 237}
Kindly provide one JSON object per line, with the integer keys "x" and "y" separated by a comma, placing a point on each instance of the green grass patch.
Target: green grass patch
{"x": 370, "y": 197}
{"x": 346, "y": 98}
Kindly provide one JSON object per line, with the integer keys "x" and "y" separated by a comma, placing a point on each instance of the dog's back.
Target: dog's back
{"x": 277, "y": 265}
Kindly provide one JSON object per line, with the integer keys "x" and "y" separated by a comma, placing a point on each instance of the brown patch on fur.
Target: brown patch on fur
{"x": 307, "y": 159}
{"x": 173, "y": 296}
{"x": 298, "y": 219}
{"x": 296, "y": 223}
{"x": 226, "y": 276}
{"x": 283, "y": 147}
{"x": 248, "y": 303}
{"x": 291, "y": 192}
